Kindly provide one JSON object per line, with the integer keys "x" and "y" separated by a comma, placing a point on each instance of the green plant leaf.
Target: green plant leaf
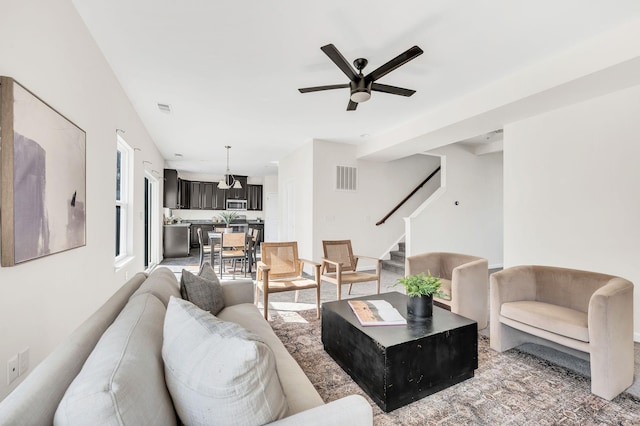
{"x": 421, "y": 285}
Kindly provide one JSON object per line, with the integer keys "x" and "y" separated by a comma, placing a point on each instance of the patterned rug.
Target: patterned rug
{"x": 510, "y": 388}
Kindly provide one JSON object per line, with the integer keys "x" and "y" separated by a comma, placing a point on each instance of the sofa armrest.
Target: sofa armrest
{"x": 237, "y": 291}
{"x": 610, "y": 320}
{"x": 352, "y": 410}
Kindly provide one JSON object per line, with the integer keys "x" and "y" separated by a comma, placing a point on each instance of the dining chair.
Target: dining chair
{"x": 233, "y": 249}
{"x": 203, "y": 250}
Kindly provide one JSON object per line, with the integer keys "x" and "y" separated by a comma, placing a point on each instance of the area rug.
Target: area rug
{"x": 510, "y": 388}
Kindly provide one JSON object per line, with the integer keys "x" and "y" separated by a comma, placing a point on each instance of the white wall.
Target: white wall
{"x": 296, "y": 199}
{"x": 474, "y": 226}
{"x": 322, "y": 212}
{"x": 46, "y": 47}
{"x": 572, "y": 186}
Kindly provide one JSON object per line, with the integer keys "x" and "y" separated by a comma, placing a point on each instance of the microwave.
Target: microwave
{"x": 236, "y": 204}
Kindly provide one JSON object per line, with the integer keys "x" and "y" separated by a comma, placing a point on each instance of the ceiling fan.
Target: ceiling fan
{"x": 361, "y": 85}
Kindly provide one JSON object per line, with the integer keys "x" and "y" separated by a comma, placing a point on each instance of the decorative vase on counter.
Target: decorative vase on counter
{"x": 420, "y": 306}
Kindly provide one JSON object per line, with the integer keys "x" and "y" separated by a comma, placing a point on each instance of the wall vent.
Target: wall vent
{"x": 164, "y": 108}
{"x": 346, "y": 178}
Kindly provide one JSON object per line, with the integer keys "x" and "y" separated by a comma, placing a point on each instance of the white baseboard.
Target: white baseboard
{"x": 496, "y": 266}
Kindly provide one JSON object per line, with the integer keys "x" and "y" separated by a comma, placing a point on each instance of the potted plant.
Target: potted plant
{"x": 421, "y": 288}
{"x": 227, "y": 218}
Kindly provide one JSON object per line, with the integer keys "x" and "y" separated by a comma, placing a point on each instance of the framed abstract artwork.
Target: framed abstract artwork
{"x": 43, "y": 177}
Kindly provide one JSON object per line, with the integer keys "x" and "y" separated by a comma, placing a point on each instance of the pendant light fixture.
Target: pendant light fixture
{"x": 229, "y": 181}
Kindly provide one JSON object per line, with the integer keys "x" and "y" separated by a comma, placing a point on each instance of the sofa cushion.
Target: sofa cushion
{"x": 122, "y": 381}
{"x": 161, "y": 283}
{"x": 556, "y": 319}
{"x": 300, "y": 393}
{"x": 203, "y": 290}
{"x": 218, "y": 372}
{"x": 445, "y": 288}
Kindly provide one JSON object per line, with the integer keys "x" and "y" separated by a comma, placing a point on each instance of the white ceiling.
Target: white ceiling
{"x": 230, "y": 70}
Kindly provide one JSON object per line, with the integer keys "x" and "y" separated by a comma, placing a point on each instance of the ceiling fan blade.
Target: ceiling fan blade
{"x": 352, "y": 105}
{"x": 340, "y": 61}
{"x": 319, "y": 88}
{"x": 392, "y": 89}
{"x": 396, "y": 62}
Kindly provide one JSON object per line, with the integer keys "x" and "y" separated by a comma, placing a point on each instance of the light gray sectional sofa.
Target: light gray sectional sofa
{"x": 121, "y": 346}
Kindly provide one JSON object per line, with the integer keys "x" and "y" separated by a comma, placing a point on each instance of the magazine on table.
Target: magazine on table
{"x": 376, "y": 312}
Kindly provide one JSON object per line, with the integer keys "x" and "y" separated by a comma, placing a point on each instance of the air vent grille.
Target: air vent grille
{"x": 164, "y": 107}
{"x": 346, "y": 178}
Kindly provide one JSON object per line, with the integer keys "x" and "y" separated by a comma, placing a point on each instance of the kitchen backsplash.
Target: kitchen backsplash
{"x": 187, "y": 215}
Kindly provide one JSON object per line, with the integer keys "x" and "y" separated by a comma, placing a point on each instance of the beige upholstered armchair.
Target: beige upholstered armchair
{"x": 465, "y": 282}
{"x": 586, "y": 314}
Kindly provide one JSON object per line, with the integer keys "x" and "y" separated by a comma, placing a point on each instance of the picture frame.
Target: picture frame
{"x": 43, "y": 177}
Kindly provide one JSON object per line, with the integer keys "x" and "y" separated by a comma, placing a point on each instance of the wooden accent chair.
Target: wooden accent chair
{"x": 339, "y": 266}
{"x": 280, "y": 269}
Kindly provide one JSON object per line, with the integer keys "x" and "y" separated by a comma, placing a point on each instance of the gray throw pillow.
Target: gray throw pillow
{"x": 203, "y": 292}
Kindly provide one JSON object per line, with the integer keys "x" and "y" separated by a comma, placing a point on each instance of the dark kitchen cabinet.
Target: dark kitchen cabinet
{"x": 184, "y": 190}
{"x": 195, "y": 196}
{"x": 170, "y": 198}
{"x": 207, "y": 195}
{"x": 237, "y": 194}
{"x": 219, "y": 198}
{"x": 254, "y": 197}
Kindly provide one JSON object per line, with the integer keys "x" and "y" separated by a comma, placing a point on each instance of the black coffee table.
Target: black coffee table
{"x": 396, "y": 365}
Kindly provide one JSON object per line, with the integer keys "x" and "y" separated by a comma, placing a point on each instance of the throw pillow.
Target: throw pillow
{"x": 202, "y": 291}
{"x": 217, "y": 372}
{"x": 122, "y": 382}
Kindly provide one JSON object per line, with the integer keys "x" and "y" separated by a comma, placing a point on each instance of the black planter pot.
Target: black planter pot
{"x": 420, "y": 306}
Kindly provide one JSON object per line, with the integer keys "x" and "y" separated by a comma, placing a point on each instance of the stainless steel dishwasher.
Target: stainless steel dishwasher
{"x": 177, "y": 240}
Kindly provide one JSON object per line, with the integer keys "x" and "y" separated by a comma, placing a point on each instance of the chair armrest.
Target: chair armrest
{"x": 310, "y": 262}
{"x": 610, "y": 315}
{"x": 357, "y": 256}
{"x": 237, "y": 291}
{"x": 331, "y": 262}
{"x": 352, "y": 410}
{"x": 263, "y": 266}
{"x": 470, "y": 290}
{"x": 337, "y": 265}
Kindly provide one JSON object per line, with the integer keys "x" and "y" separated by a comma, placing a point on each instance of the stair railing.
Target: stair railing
{"x": 417, "y": 188}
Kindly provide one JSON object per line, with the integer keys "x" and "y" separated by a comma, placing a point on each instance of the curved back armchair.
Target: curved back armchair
{"x": 465, "y": 282}
{"x": 587, "y": 314}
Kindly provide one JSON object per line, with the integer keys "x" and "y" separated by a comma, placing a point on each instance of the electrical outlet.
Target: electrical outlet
{"x": 12, "y": 369}
{"x": 23, "y": 361}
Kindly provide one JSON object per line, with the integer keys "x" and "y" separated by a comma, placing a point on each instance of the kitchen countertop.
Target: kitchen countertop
{"x": 237, "y": 221}
{"x": 179, "y": 224}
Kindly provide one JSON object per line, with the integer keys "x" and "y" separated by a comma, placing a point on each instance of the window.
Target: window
{"x": 151, "y": 231}
{"x": 124, "y": 172}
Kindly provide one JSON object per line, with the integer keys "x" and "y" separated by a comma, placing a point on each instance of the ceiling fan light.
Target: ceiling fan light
{"x": 358, "y": 97}
{"x": 237, "y": 185}
{"x": 222, "y": 184}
